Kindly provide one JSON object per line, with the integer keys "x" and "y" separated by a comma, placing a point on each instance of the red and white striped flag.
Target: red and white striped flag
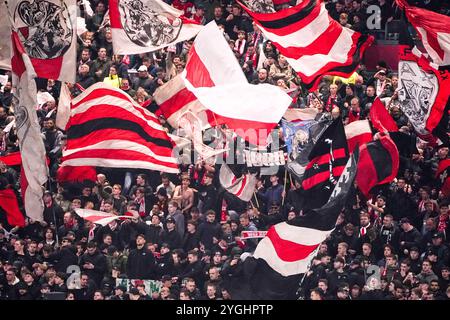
{"x": 34, "y": 168}
{"x": 140, "y": 26}
{"x": 214, "y": 87}
{"x": 433, "y": 29}
{"x": 357, "y": 133}
{"x": 242, "y": 187}
{"x": 107, "y": 128}
{"x": 46, "y": 32}
{"x": 99, "y": 217}
{"x": 313, "y": 43}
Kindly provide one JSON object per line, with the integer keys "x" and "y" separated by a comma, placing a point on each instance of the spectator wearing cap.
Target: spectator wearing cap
{"x": 64, "y": 256}
{"x": 23, "y": 292}
{"x": 356, "y": 273}
{"x": 144, "y": 79}
{"x": 120, "y": 293}
{"x": 93, "y": 263}
{"x": 52, "y": 211}
{"x": 141, "y": 262}
{"x": 170, "y": 235}
{"x": 441, "y": 250}
{"x": 208, "y": 196}
{"x": 409, "y": 237}
{"x": 337, "y": 276}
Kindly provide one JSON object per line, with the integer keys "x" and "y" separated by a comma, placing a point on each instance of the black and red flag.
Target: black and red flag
{"x": 443, "y": 176}
{"x": 288, "y": 248}
{"x": 326, "y": 163}
{"x": 378, "y": 164}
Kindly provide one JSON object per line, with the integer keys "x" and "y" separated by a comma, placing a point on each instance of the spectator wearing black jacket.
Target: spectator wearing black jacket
{"x": 171, "y": 236}
{"x": 191, "y": 239}
{"x": 141, "y": 262}
{"x": 409, "y": 237}
{"x": 64, "y": 256}
{"x": 194, "y": 269}
{"x": 93, "y": 263}
{"x": 208, "y": 194}
{"x": 209, "y": 231}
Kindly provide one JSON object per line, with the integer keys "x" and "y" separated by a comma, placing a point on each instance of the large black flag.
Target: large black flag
{"x": 285, "y": 253}
{"x": 327, "y": 160}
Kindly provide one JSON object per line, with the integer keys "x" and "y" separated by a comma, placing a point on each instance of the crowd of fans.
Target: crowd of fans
{"x": 185, "y": 230}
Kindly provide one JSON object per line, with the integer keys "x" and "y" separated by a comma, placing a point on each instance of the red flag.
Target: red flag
{"x": 76, "y": 174}
{"x": 9, "y": 203}
{"x": 443, "y": 174}
{"x": 378, "y": 164}
{"x": 12, "y": 159}
{"x": 380, "y": 117}
{"x": 433, "y": 30}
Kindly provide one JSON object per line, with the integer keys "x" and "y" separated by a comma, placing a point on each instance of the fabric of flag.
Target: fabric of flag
{"x": 290, "y": 246}
{"x": 313, "y": 43}
{"x": 10, "y": 205}
{"x": 327, "y": 159}
{"x": 242, "y": 187}
{"x": 380, "y": 117}
{"x": 34, "y": 171}
{"x": 46, "y": 32}
{"x": 297, "y": 165}
{"x": 433, "y": 29}
{"x": 12, "y": 159}
{"x": 423, "y": 90}
{"x": 63, "y": 114}
{"x": 296, "y": 135}
{"x": 295, "y": 114}
{"x": 98, "y": 217}
{"x": 5, "y": 42}
{"x": 357, "y": 133}
{"x": 107, "y": 128}
{"x": 140, "y": 26}
{"x": 213, "y": 87}
{"x": 378, "y": 164}
{"x": 443, "y": 176}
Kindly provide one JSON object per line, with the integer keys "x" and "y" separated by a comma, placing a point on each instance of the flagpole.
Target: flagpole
{"x": 256, "y": 198}
{"x": 49, "y": 182}
{"x": 284, "y": 189}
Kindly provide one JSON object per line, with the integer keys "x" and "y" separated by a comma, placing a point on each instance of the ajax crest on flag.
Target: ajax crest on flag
{"x": 146, "y": 26}
{"x": 45, "y": 28}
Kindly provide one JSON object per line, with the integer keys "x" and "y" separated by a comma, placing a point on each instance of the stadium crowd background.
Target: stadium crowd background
{"x": 182, "y": 236}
